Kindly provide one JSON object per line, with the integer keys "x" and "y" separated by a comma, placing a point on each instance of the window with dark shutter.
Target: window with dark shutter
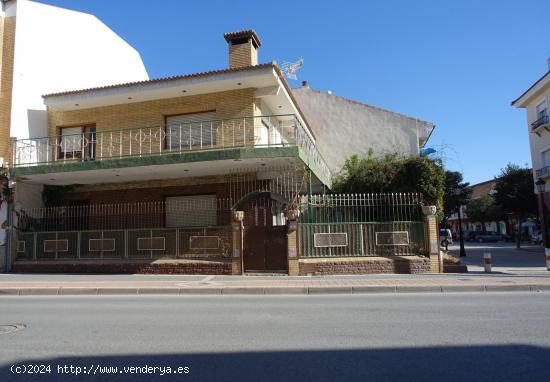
{"x": 191, "y": 131}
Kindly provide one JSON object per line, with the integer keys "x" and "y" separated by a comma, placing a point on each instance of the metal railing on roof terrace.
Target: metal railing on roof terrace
{"x": 92, "y": 145}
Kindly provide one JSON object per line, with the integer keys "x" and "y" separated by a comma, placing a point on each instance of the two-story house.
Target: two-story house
{"x": 198, "y": 173}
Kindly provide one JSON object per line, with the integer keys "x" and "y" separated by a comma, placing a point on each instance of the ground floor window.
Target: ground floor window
{"x": 191, "y": 211}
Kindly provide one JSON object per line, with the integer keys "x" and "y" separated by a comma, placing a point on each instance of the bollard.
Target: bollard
{"x": 487, "y": 262}
{"x": 547, "y": 254}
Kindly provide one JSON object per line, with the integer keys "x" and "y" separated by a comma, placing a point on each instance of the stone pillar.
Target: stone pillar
{"x": 237, "y": 257}
{"x": 436, "y": 259}
{"x": 292, "y": 240}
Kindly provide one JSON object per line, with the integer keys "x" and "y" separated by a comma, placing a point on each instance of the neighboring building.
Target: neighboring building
{"x": 344, "y": 127}
{"x": 45, "y": 49}
{"x": 479, "y": 190}
{"x": 535, "y": 101}
{"x": 148, "y": 175}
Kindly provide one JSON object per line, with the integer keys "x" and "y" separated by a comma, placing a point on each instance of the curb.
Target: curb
{"x": 344, "y": 290}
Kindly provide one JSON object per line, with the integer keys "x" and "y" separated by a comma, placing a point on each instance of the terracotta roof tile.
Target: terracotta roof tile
{"x": 164, "y": 79}
{"x": 244, "y": 33}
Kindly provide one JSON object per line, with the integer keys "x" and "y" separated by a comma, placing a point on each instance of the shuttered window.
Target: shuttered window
{"x": 197, "y": 130}
{"x": 546, "y": 158}
{"x": 71, "y": 142}
{"x": 191, "y": 211}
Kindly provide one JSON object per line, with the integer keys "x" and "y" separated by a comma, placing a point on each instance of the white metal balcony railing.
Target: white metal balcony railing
{"x": 543, "y": 172}
{"x": 261, "y": 131}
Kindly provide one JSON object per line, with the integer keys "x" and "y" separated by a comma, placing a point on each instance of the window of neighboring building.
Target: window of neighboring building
{"x": 186, "y": 131}
{"x": 191, "y": 211}
{"x": 541, "y": 110}
{"x": 545, "y": 157}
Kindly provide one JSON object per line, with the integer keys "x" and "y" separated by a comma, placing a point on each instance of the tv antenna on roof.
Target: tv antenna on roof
{"x": 289, "y": 69}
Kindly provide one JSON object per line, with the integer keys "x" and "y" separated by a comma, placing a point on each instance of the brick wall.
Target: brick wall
{"x": 229, "y": 104}
{"x": 222, "y": 267}
{"x": 243, "y": 55}
{"x": 7, "y": 47}
{"x": 396, "y": 264}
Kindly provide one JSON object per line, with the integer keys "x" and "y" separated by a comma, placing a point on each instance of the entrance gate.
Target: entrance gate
{"x": 265, "y": 235}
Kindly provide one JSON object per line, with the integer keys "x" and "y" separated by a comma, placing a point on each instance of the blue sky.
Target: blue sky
{"x": 458, "y": 64}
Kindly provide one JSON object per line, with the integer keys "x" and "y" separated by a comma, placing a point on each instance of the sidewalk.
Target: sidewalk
{"x": 27, "y": 284}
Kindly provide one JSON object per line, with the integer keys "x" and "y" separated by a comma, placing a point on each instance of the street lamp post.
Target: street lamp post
{"x": 541, "y": 185}
{"x": 460, "y": 235}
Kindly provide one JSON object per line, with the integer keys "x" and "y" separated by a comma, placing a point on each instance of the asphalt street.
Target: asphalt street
{"x": 452, "y": 337}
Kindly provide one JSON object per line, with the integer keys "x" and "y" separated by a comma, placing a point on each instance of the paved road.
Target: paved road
{"x": 456, "y": 337}
{"x": 506, "y": 258}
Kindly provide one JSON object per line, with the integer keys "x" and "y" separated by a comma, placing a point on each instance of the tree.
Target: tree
{"x": 484, "y": 209}
{"x": 515, "y": 193}
{"x": 456, "y": 194}
{"x": 393, "y": 173}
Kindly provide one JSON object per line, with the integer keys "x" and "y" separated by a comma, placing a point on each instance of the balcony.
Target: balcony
{"x": 543, "y": 172}
{"x": 541, "y": 122}
{"x": 94, "y": 149}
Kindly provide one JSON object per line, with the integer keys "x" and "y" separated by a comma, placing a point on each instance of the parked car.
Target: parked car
{"x": 467, "y": 235}
{"x": 507, "y": 237}
{"x": 481, "y": 237}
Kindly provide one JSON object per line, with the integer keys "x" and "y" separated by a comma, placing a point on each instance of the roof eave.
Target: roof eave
{"x": 523, "y": 99}
{"x": 129, "y": 85}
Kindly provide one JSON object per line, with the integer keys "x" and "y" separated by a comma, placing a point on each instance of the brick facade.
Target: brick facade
{"x": 7, "y": 49}
{"x": 229, "y": 104}
{"x": 244, "y": 54}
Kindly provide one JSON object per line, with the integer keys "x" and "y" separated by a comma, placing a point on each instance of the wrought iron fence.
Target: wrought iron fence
{"x": 130, "y": 244}
{"x": 340, "y": 225}
{"x": 362, "y": 239}
{"x": 92, "y": 145}
{"x": 349, "y": 208}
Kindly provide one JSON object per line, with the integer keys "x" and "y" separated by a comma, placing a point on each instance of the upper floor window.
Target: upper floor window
{"x": 77, "y": 142}
{"x": 191, "y": 130}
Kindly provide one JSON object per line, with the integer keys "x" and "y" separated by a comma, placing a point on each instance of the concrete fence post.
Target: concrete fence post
{"x": 436, "y": 259}
{"x": 292, "y": 239}
{"x": 238, "y": 238}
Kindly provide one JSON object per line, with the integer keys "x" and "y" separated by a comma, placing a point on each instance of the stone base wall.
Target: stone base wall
{"x": 365, "y": 265}
{"x": 189, "y": 267}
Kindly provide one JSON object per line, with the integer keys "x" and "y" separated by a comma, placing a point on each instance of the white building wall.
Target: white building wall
{"x": 57, "y": 50}
{"x": 538, "y": 144}
{"x": 343, "y": 127}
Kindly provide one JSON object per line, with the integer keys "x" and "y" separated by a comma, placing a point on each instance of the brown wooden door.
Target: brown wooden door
{"x": 265, "y": 245}
{"x": 265, "y": 249}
